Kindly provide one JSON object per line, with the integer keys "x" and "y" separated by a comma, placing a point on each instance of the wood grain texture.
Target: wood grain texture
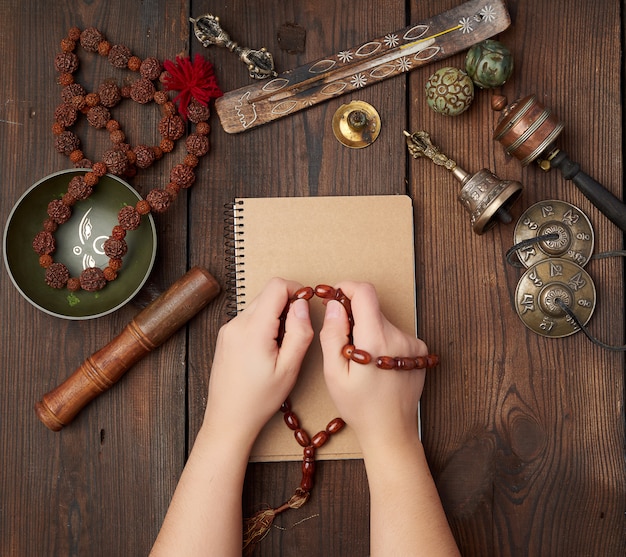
{"x": 525, "y": 435}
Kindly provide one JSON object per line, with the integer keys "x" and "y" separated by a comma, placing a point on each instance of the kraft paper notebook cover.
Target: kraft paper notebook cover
{"x": 323, "y": 240}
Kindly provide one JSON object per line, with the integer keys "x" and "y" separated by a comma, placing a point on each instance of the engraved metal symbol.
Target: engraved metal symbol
{"x": 574, "y": 234}
{"x": 545, "y": 287}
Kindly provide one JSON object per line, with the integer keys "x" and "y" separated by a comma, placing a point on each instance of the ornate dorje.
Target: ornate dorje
{"x": 209, "y": 32}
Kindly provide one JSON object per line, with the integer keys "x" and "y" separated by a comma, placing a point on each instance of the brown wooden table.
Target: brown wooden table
{"x": 525, "y": 435}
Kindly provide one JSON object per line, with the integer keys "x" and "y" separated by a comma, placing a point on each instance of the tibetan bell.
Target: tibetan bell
{"x": 489, "y": 64}
{"x": 528, "y": 131}
{"x": 486, "y": 197}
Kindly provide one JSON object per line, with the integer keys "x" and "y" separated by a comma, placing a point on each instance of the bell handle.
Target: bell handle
{"x": 613, "y": 208}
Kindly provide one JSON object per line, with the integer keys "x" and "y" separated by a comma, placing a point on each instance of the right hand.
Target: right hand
{"x": 380, "y": 405}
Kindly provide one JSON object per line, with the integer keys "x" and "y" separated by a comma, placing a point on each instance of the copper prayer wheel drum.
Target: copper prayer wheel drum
{"x": 527, "y": 129}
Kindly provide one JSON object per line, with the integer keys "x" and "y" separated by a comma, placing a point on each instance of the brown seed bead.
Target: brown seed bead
{"x": 197, "y": 144}
{"x": 142, "y": 207}
{"x": 104, "y": 47}
{"x": 74, "y": 33}
{"x": 99, "y": 169}
{"x": 45, "y": 260}
{"x": 334, "y": 426}
{"x": 68, "y": 199}
{"x": 182, "y": 175}
{"x": 134, "y": 63}
{"x": 129, "y": 218}
{"x": 166, "y": 145}
{"x": 65, "y": 79}
{"x": 78, "y": 102}
{"x": 109, "y": 93}
{"x": 44, "y": 243}
{"x": 169, "y": 108}
{"x": 66, "y": 62}
{"x": 119, "y": 55}
{"x": 90, "y": 38}
{"x": 49, "y": 225}
{"x": 57, "y": 128}
{"x": 191, "y": 160}
{"x": 76, "y": 155}
{"x": 144, "y": 155}
{"x": 57, "y": 275}
{"x": 73, "y": 284}
{"x": 98, "y": 116}
{"x": 158, "y": 152}
{"x": 115, "y": 264}
{"x": 92, "y": 279}
{"x": 117, "y": 137}
{"x": 116, "y": 161}
{"x": 114, "y": 248}
{"x": 118, "y": 232}
{"x": 91, "y": 179}
{"x": 319, "y": 439}
{"x": 92, "y": 99}
{"x": 151, "y": 68}
{"x": 171, "y": 127}
{"x": 324, "y": 291}
{"x": 159, "y": 200}
{"x": 78, "y": 188}
{"x": 112, "y": 125}
{"x": 142, "y": 91}
{"x": 58, "y": 211}
{"x": 109, "y": 274}
{"x": 161, "y": 97}
{"x": 291, "y": 420}
{"x": 172, "y": 189}
{"x": 360, "y": 356}
{"x": 203, "y": 128}
{"x": 197, "y": 112}
{"x": 65, "y": 114}
{"x": 347, "y": 351}
{"x": 302, "y": 437}
{"x": 385, "y": 362}
{"x": 67, "y": 44}
{"x": 66, "y": 142}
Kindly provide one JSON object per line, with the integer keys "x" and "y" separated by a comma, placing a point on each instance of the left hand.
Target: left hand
{"x": 251, "y": 376}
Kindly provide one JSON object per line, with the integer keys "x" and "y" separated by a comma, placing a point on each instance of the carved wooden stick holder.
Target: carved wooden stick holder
{"x": 149, "y": 329}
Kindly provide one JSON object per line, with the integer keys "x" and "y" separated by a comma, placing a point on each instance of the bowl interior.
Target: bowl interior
{"x": 79, "y": 245}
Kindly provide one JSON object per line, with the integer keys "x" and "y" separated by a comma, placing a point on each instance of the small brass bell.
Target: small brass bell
{"x": 486, "y": 197}
{"x": 528, "y": 131}
{"x": 356, "y": 124}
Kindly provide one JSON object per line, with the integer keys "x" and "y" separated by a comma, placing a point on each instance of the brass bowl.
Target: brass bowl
{"x": 79, "y": 245}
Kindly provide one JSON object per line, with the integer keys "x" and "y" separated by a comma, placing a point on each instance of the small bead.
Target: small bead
{"x": 405, "y": 363}
{"x": 324, "y": 291}
{"x": 305, "y": 293}
{"x": 104, "y": 48}
{"x": 291, "y": 420}
{"x": 118, "y": 232}
{"x": 347, "y": 351}
{"x": 109, "y": 274}
{"x": 319, "y": 439}
{"x": 99, "y": 169}
{"x": 117, "y": 137}
{"x": 57, "y": 128}
{"x": 420, "y": 362}
{"x": 112, "y": 125}
{"x": 45, "y": 260}
{"x": 203, "y": 128}
{"x": 74, "y": 33}
{"x": 309, "y": 452}
{"x": 91, "y": 179}
{"x": 166, "y": 145}
{"x": 335, "y": 426}
{"x": 76, "y": 155}
{"x": 285, "y": 406}
{"x": 142, "y": 207}
{"x": 65, "y": 79}
{"x": 134, "y": 63}
{"x": 302, "y": 437}
{"x": 67, "y": 44}
{"x": 73, "y": 284}
{"x": 161, "y": 97}
{"x": 92, "y": 99}
{"x": 191, "y": 160}
{"x": 386, "y": 362}
{"x": 68, "y": 199}
{"x": 360, "y": 356}
{"x": 432, "y": 360}
{"x": 115, "y": 264}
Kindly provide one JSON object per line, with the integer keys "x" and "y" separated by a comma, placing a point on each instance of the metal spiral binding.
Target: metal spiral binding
{"x": 234, "y": 256}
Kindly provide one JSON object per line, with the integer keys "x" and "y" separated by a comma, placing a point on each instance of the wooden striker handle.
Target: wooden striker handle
{"x": 148, "y": 330}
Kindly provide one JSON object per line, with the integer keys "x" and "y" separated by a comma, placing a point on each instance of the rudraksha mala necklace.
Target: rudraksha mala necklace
{"x": 195, "y": 81}
{"x": 258, "y": 526}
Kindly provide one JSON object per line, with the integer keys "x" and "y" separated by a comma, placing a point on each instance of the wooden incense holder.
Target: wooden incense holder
{"x": 149, "y": 329}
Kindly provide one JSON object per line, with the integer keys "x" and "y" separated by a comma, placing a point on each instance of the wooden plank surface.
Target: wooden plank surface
{"x": 524, "y": 434}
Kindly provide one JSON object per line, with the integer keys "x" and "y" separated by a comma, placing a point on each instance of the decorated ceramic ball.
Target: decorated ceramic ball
{"x": 449, "y": 91}
{"x": 489, "y": 64}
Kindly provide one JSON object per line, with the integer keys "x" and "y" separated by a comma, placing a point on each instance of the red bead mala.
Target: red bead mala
{"x": 258, "y": 526}
{"x": 196, "y": 84}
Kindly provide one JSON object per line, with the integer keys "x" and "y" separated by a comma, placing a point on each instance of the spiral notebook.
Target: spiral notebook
{"x": 323, "y": 240}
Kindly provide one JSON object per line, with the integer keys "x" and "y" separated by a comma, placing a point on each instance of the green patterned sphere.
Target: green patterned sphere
{"x": 449, "y": 91}
{"x": 489, "y": 64}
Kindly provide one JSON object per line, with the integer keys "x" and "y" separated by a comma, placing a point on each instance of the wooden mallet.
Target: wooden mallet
{"x": 150, "y": 328}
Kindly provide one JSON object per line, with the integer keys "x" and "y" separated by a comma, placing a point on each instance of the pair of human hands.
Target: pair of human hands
{"x": 252, "y": 375}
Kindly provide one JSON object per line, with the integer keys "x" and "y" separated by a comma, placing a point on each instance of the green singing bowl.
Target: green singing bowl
{"x": 79, "y": 245}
